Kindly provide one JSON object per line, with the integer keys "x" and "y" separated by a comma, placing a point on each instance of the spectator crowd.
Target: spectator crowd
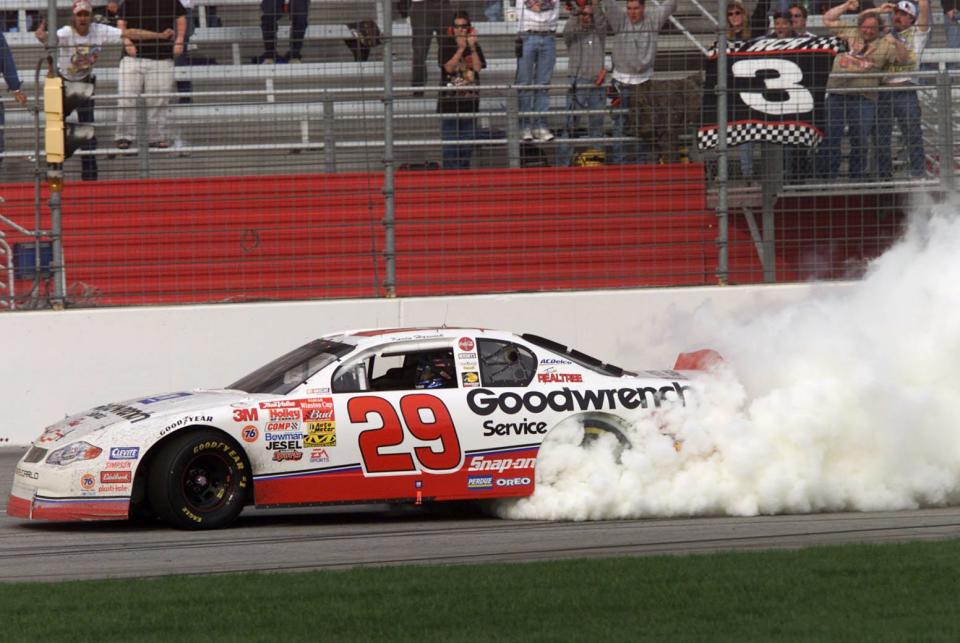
{"x": 615, "y": 111}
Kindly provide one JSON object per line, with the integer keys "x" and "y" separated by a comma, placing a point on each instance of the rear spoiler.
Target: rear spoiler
{"x": 702, "y": 360}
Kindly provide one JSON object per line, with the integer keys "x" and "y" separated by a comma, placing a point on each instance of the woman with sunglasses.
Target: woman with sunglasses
{"x": 461, "y": 59}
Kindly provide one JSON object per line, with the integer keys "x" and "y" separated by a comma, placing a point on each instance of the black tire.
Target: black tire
{"x": 199, "y": 480}
{"x": 593, "y": 429}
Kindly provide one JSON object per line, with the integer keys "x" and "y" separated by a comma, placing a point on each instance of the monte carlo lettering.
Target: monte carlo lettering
{"x": 483, "y": 401}
{"x": 130, "y": 413}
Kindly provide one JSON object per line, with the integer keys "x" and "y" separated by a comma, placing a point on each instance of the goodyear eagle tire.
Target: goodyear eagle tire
{"x": 199, "y": 480}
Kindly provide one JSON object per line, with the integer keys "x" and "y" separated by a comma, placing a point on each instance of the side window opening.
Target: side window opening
{"x": 351, "y": 377}
{"x": 414, "y": 370}
{"x": 505, "y": 363}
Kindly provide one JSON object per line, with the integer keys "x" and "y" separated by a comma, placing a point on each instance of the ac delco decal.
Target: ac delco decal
{"x": 466, "y": 344}
{"x": 483, "y": 401}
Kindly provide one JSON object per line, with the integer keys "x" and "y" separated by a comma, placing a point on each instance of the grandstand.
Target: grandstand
{"x": 274, "y": 188}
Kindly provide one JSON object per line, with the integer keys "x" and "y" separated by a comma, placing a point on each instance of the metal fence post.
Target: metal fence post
{"x": 143, "y": 139}
{"x": 513, "y": 127}
{"x": 723, "y": 218}
{"x": 329, "y": 134}
{"x": 944, "y": 97}
{"x": 389, "y": 214}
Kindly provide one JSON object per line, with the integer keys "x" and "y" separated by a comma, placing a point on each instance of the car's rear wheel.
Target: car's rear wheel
{"x": 199, "y": 480}
{"x": 594, "y": 430}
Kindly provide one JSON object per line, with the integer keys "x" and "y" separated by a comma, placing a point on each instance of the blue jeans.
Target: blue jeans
{"x": 583, "y": 94}
{"x": 535, "y": 67}
{"x": 272, "y": 10}
{"x": 493, "y": 10}
{"x": 457, "y": 157}
{"x": 621, "y": 152}
{"x": 858, "y": 115}
{"x": 88, "y": 164}
{"x": 952, "y": 30}
{"x": 902, "y": 107}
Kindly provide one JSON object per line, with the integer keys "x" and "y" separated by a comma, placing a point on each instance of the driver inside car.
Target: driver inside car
{"x": 435, "y": 371}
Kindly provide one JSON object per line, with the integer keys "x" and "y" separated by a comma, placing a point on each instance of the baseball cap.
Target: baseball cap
{"x": 82, "y": 5}
{"x": 904, "y": 5}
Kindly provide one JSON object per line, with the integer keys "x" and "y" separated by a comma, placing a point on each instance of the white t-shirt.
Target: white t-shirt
{"x": 78, "y": 54}
{"x": 916, "y": 41}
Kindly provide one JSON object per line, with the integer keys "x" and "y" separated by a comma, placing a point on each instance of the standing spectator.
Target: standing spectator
{"x": 585, "y": 36}
{"x": 911, "y": 28}
{"x": 798, "y": 17}
{"x": 538, "y": 53}
{"x": 782, "y": 25}
{"x": 12, "y": 79}
{"x": 427, "y": 17}
{"x": 79, "y": 46}
{"x": 857, "y": 111}
{"x": 461, "y": 59}
{"x": 634, "y": 50}
{"x": 951, "y": 26}
{"x": 148, "y": 68}
{"x": 493, "y": 10}
{"x": 110, "y": 15}
{"x": 270, "y": 12}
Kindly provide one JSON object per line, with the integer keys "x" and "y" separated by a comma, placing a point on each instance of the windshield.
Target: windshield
{"x": 285, "y": 373}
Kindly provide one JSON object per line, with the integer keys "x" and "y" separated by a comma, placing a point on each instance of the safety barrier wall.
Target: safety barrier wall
{"x": 63, "y": 362}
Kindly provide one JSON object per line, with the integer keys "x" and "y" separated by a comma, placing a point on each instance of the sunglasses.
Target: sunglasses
{"x": 796, "y": 15}
{"x": 735, "y": 12}
{"x": 461, "y": 25}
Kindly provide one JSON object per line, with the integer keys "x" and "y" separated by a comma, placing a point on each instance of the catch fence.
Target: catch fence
{"x": 336, "y": 177}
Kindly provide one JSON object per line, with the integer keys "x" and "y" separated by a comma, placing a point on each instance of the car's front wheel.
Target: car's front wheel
{"x": 199, "y": 480}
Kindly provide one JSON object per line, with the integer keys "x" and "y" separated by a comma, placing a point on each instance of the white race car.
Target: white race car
{"x": 404, "y": 415}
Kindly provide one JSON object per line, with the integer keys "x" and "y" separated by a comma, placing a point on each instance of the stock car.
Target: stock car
{"x": 400, "y": 415}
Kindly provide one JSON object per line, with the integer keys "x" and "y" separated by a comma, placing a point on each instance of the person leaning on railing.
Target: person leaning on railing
{"x": 869, "y": 53}
{"x": 12, "y": 79}
{"x": 79, "y": 45}
{"x": 911, "y": 28}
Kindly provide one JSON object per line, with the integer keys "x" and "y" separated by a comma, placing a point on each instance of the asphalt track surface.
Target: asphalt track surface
{"x": 343, "y": 537}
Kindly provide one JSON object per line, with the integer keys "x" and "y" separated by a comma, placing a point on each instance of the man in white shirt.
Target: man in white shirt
{"x": 537, "y": 20}
{"x": 911, "y": 28}
{"x": 79, "y": 47}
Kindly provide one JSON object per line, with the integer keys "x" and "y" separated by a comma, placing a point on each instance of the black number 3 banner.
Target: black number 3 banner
{"x": 776, "y": 91}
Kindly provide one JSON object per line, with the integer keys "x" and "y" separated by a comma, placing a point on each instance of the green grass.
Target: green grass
{"x": 857, "y": 593}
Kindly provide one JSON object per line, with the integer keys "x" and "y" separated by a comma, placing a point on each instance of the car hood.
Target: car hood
{"x": 136, "y": 411}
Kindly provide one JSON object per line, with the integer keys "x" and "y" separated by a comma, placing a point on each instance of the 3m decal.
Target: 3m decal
{"x": 427, "y": 419}
{"x": 245, "y": 415}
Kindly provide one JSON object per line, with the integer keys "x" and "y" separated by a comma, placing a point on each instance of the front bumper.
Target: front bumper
{"x": 42, "y": 508}
{"x": 41, "y": 492}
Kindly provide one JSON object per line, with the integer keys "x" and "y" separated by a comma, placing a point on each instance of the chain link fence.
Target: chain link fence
{"x": 268, "y": 173}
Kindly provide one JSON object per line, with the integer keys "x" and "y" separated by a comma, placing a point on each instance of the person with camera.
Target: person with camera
{"x": 911, "y": 28}
{"x": 634, "y": 46}
{"x": 585, "y": 35}
{"x": 461, "y": 59}
{"x": 536, "y": 57}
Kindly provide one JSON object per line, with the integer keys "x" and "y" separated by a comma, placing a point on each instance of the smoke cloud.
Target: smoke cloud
{"x": 845, "y": 402}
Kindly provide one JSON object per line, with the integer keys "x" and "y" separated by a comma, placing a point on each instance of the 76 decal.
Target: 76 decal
{"x": 425, "y": 417}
